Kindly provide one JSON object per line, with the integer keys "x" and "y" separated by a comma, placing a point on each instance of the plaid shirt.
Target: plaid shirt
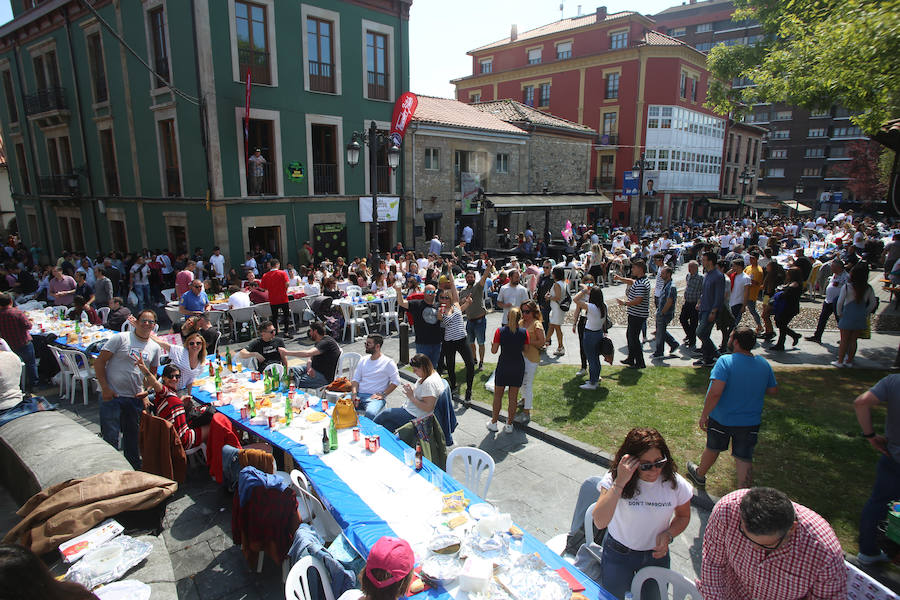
{"x": 810, "y": 564}
{"x": 14, "y": 327}
{"x": 693, "y": 287}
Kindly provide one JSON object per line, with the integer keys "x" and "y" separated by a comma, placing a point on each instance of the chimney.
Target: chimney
{"x": 692, "y": 1}
{"x": 579, "y": 10}
{"x": 513, "y": 33}
{"x": 601, "y": 13}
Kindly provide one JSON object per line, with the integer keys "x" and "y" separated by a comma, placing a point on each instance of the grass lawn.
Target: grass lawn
{"x": 809, "y": 445}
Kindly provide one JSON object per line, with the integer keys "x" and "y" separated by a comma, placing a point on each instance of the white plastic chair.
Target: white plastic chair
{"x": 103, "y": 311}
{"x": 296, "y": 307}
{"x": 352, "y": 322}
{"x": 296, "y": 587}
{"x": 201, "y": 449}
{"x": 348, "y": 361}
{"x": 167, "y": 294}
{"x": 277, "y": 367}
{"x": 476, "y": 463}
{"x": 311, "y": 510}
{"x": 390, "y": 314}
{"x": 240, "y": 316}
{"x": 81, "y": 370}
{"x": 263, "y": 311}
{"x": 488, "y": 301}
{"x": 682, "y": 587}
{"x": 595, "y": 550}
{"x": 173, "y": 313}
{"x": 353, "y": 291}
{"x": 65, "y": 374}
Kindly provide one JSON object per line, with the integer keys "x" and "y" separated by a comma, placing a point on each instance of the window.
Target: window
{"x": 528, "y": 95}
{"x": 780, "y": 134}
{"x": 534, "y": 56}
{"x": 11, "y": 110}
{"x": 71, "y": 232}
{"x": 777, "y": 153}
{"x": 98, "y": 70}
{"x": 677, "y": 31}
{"x": 612, "y": 86}
{"x": 325, "y": 159}
{"x": 812, "y": 172}
{"x": 683, "y": 85}
{"x": 783, "y": 115}
{"x": 694, "y": 85}
{"x": 837, "y": 152}
{"x": 705, "y": 46}
{"x": 169, "y": 147}
{"x": 319, "y": 34}
{"x": 853, "y": 131}
{"x": 432, "y": 159}
{"x": 376, "y": 59}
{"x": 762, "y": 117}
{"x": 252, "y": 42}
{"x": 487, "y": 65}
{"x": 607, "y": 170}
{"x": 22, "y": 167}
{"x": 819, "y": 113}
{"x": 618, "y": 40}
{"x": 815, "y": 152}
{"x": 564, "y": 50}
{"x": 704, "y": 27}
{"x": 118, "y": 234}
{"x": 110, "y": 168}
{"x": 777, "y": 172}
{"x": 159, "y": 46}
{"x": 816, "y": 132}
{"x": 475, "y": 98}
{"x": 46, "y": 71}
{"x": 502, "y": 163}
{"x": 545, "y": 94}
{"x": 609, "y": 123}
{"x": 59, "y": 153}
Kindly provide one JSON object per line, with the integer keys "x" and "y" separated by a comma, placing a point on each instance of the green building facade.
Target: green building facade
{"x": 125, "y": 122}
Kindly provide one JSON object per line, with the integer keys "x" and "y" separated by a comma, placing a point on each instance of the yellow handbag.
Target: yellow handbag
{"x": 344, "y": 415}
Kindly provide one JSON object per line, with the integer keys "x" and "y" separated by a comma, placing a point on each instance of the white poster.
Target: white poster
{"x": 388, "y": 209}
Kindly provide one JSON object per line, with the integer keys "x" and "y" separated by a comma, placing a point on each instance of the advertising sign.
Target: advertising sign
{"x": 295, "y": 171}
{"x": 403, "y": 113}
{"x": 630, "y": 183}
{"x": 388, "y": 209}
{"x": 470, "y": 186}
{"x": 330, "y": 240}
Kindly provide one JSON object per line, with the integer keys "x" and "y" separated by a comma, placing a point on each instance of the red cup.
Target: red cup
{"x": 272, "y": 420}
{"x": 356, "y": 434}
{"x": 325, "y": 404}
{"x": 245, "y": 412}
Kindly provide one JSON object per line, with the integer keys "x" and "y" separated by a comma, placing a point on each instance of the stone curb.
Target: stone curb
{"x": 584, "y": 451}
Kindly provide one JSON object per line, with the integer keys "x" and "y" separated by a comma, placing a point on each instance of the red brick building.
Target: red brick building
{"x": 610, "y": 72}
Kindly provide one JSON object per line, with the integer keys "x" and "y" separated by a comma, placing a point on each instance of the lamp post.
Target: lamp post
{"x": 375, "y": 140}
{"x": 745, "y": 178}
{"x": 640, "y": 166}
{"x": 798, "y": 191}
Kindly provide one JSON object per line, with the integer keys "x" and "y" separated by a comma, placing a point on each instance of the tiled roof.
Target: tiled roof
{"x": 700, "y": 4}
{"x": 453, "y": 113}
{"x": 515, "y": 112}
{"x": 655, "y": 38}
{"x": 557, "y": 26}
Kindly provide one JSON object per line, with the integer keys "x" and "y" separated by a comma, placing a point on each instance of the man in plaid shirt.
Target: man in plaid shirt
{"x": 758, "y": 544}
{"x": 693, "y": 286}
{"x": 14, "y": 328}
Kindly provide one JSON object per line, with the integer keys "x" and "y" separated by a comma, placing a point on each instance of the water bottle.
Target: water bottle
{"x": 629, "y": 596}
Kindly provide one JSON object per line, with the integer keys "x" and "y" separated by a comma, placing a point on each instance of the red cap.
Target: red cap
{"x": 392, "y": 555}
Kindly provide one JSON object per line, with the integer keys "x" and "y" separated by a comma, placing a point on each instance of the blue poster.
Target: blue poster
{"x": 630, "y": 183}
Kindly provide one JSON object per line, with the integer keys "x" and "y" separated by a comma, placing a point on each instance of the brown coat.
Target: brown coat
{"x": 161, "y": 450}
{"x": 68, "y": 509}
{"x": 260, "y": 459}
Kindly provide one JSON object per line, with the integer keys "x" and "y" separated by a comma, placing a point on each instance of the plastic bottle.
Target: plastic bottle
{"x": 629, "y": 596}
{"x": 252, "y": 405}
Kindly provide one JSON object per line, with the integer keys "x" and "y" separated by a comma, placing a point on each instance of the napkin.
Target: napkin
{"x": 574, "y": 584}
{"x": 418, "y": 571}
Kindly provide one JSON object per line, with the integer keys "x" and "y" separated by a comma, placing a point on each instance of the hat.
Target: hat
{"x": 443, "y": 279}
{"x": 392, "y": 555}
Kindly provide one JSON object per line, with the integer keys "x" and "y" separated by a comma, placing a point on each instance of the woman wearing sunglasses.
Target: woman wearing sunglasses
{"x": 189, "y": 358}
{"x": 169, "y": 406}
{"x": 643, "y": 504}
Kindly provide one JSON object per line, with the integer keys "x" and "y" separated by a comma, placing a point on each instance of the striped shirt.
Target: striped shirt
{"x": 454, "y": 327}
{"x": 640, "y": 287}
{"x": 170, "y": 408}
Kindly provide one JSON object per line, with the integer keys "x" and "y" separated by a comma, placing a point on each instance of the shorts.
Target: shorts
{"x": 475, "y": 331}
{"x": 743, "y": 439}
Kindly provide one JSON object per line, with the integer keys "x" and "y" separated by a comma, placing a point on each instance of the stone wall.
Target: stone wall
{"x": 562, "y": 164}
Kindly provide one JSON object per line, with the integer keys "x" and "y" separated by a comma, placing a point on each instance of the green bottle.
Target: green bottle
{"x": 286, "y": 381}
{"x": 252, "y": 405}
{"x": 288, "y": 411}
{"x": 228, "y": 362}
{"x": 332, "y": 436}
{"x": 218, "y": 382}
{"x": 267, "y": 387}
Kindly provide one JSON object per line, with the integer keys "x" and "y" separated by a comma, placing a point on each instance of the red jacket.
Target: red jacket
{"x": 220, "y": 433}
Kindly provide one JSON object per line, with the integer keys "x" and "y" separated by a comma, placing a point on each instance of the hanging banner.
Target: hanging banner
{"x": 329, "y": 240}
{"x": 470, "y": 186}
{"x": 630, "y": 183}
{"x": 388, "y": 209}
{"x": 403, "y": 113}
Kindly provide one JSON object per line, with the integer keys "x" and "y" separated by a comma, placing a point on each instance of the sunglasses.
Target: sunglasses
{"x": 148, "y": 321}
{"x": 195, "y": 343}
{"x": 763, "y": 546}
{"x": 654, "y": 465}
{"x": 525, "y": 311}
{"x": 269, "y": 331}
{"x": 429, "y": 293}
{"x": 173, "y": 376}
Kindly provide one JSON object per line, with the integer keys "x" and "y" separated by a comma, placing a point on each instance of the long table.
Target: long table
{"x": 360, "y": 523}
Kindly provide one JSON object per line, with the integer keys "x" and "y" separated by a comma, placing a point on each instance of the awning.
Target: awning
{"x": 722, "y": 203}
{"x": 799, "y": 208}
{"x": 545, "y": 201}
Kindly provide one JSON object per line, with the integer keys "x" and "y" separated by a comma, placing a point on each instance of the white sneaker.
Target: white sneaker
{"x": 849, "y": 364}
{"x": 837, "y": 363}
{"x": 580, "y": 372}
{"x": 492, "y": 426}
{"x": 508, "y": 428}
{"x": 588, "y": 386}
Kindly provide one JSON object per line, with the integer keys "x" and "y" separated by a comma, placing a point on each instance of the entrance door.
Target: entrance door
{"x": 432, "y": 226}
{"x": 178, "y": 238}
{"x": 262, "y": 136}
{"x": 267, "y": 238}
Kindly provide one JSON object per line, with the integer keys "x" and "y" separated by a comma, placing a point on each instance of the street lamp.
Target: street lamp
{"x": 798, "y": 191}
{"x": 641, "y": 165}
{"x": 745, "y": 178}
{"x": 375, "y": 140}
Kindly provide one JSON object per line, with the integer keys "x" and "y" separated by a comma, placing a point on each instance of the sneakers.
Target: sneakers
{"x": 580, "y": 372}
{"x": 692, "y": 475}
{"x": 492, "y": 426}
{"x": 703, "y": 363}
{"x": 654, "y": 355}
{"x": 813, "y": 338}
{"x": 522, "y": 418}
{"x": 508, "y": 428}
{"x": 560, "y": 352}
{"x": 673, "y": 349}
{"x": 871, "y": 559}
{"x": 588, "y": 386}
{"x": 480, "y": 366}
{"x": 837, "y": 363}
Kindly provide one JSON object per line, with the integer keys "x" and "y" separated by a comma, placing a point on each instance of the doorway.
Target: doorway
{"x": 178, "y": 239}
{"x": 261, "y": 134}
{"x": 267, "y": 238}
{"x": 432, "y": 226}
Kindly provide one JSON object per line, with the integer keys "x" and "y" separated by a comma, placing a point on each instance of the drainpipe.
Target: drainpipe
{"x": 412, "y": 136}
{"x": 201, "y": 93}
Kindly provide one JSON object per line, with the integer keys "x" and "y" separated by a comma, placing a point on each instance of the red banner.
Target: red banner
{"x": 247, "y": 119}
{"x": 403, "y": 113}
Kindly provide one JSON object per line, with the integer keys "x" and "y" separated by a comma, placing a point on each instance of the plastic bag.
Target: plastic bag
{"x": 132, "y": 298}
{"x": 489, "y": 384}
{"x": 109, "y": 562}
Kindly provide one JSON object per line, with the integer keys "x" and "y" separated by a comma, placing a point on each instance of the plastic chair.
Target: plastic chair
{"x": 278, "y": 368}
{"x": 595, "y": 550}
{"x": 353, "y": 291}
{"x": 296, "y": 586}
{"x": 488, "y": 301}
{"x": 390, "y": 314}
{"x": 348, "y": 361}
{"x": 476, "y": 462}
{"x": 167, "y": 294}
{"x": 173, "y": 313}
{"x": 81, "y": 370}
{"x": 126, "y": 326}
{"x": 201, "y": 449}
{"x": 263, "y": 311}
{"x": 241, "y": 316}
{"x": 682, "y": 587}
{"x": 352, "y": 322}
{"x": 65, "y": 374}
{"x": 296, "y": 308}
{"x": 103, "y": 311}
{"x": 311, "y": 509}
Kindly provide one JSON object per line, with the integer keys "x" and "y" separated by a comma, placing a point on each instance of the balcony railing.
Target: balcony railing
{"x": 378, "y": 85}
{"x": 258, "y": 64}
{"x": 325, "y": 179}
{"x": 53, "y": 98}
{"x": 263, "y": 184}
{"x": 58, "y": 185}
{"x": 604, "y": 181}
{"x": 608, "y": 139}
{"x": 321, "y": 77}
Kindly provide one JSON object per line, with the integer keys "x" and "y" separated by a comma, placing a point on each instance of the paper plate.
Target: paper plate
{"x": 129, "y": 589}
{"x": 481, "y": 510}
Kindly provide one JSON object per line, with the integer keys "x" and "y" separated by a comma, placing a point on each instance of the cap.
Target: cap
{"x": 443, "y": 279}
{"x": 392, "y": 555}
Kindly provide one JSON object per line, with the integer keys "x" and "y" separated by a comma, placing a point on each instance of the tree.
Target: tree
{"x": 864, "y": 171}
{"x": 815, "y": 53}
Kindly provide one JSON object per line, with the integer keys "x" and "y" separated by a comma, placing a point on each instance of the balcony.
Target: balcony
{"x": 262, "y": 182}
{"x": 608, "y": 139}
{"x": 257, "y": 62}
{"x": 47, "y": 107}
{"x": 321, "y": 77}
{"x": 325, "y": 179}
{"x": 378, "y": 86}
{"x": 603, "y": 182}
{"x": 58, "y": 185}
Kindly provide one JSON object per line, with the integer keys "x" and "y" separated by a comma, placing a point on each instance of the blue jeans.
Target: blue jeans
{"x": 142, "y": 291}
{"x": 371, "y": 408}
{"x": 662, "y": 335}
{"x": 886, "y": 489}
{"x": 393, "y": 419}
{"x": 26, "y": 353}
{"x": 592, "y": 341}
{"x": 304, "y": 380}
{"x": 123, "y": 414}
{"x": 619, "y": 565}
{"x": 704, "y": 331}
{"x": 432, "y": 351}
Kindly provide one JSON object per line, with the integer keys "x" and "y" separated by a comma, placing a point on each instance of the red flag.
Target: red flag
{"x": 403, "y": 113}
{"x": 247, "y": 120}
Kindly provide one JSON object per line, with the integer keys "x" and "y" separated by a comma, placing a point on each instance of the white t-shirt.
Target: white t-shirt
{"x": 741, "y": 281}
{"x": 514, "y": 295}
{"x": 218, "y": 263}
{"x": 859, "y": 240}
{"x": 467, "y": 234}
{"x": 251, "y": 265}
{"x": 179, "y": 357}
{"x": 664, "y": 243}
{"x": 374, "y": 376}
{"x": 432, "y": 385}
{"x": 638, "y": 520}
{"x": 763, "y": 240}
{"x": 239, "y": 300}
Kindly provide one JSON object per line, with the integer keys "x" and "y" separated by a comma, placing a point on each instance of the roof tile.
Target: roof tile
{"x": 557, "y": 26}
{"x": 453, "y": 113}
{"x": 512, "y": 111}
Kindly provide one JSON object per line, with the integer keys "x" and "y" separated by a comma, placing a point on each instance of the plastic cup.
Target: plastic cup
{"x": 437, "y": 479}
{"x": 409, "y": 457}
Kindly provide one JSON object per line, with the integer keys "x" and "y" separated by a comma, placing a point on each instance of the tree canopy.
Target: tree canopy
{"x": 815, "y": 53}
